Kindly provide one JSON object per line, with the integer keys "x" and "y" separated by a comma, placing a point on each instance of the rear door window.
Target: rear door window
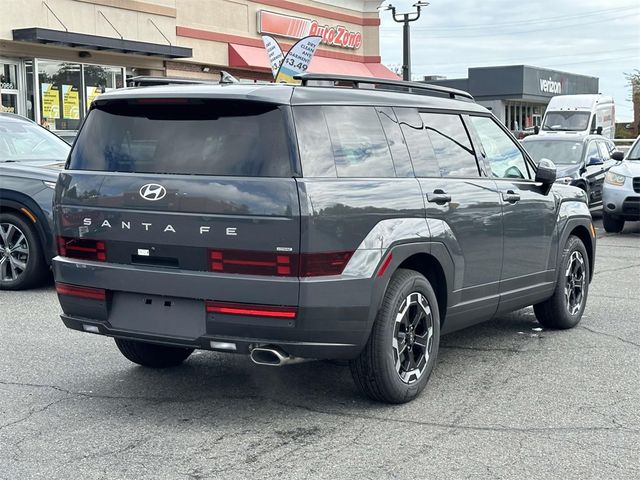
{"x": 421, "y": 150}
{"x": 185, "y": 137}
{"x": 451, "y": 145}
{"x": 397, "y": 145}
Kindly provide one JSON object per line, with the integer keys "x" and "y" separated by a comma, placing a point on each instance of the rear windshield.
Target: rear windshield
{"x": 236, "y": 138}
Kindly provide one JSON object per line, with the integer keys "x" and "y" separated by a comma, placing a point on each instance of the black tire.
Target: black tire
{"x": 376, "y": 371}
{"x": 152, "y": 355}
{"x": 559, "y": 312}
{"x": 14, "y": 277}
{"x": 612, "y": 224}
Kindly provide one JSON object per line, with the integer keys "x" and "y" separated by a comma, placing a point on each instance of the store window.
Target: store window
{"x": 65, "y": 91}
{"x": 8, "y": 87}
{"x": 60, "y": 85}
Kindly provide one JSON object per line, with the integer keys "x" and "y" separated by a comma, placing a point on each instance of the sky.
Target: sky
{"x": 589, "y": 37}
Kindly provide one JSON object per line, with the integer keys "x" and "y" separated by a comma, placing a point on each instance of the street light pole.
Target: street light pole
{"x": 406, "y": 19}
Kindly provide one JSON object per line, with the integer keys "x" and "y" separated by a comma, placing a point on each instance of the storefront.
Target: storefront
{"x": 81, "y": 48}
{"x": 518, "y": 95}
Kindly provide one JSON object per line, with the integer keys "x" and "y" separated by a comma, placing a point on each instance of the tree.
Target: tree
{"x": 634, "y": 82}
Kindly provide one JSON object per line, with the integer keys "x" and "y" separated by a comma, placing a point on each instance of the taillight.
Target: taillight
{"x": 251, "y": 310}
{"x": 253, "y": 263}
{"x": 82, "y": 248}
{"x": 81, "y": 292}
{"x": 278, "y": 264}
{"x": 326, "y": 263}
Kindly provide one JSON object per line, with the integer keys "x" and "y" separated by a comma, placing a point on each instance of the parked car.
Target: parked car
{"x": 67, "y": 135}
{"x": 30, "y": 159}
{"x": 311, "y": 222}
{"x": 621, "y": 193}
{"x": 581, "y": 160}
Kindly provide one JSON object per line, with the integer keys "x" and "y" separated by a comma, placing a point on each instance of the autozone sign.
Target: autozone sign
{"x": 297, "y": 27}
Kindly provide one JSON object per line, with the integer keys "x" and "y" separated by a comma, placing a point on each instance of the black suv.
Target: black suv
{"x": 581, "y": 160}
{"x": 345, "y": 218}
{"x": 30, "y": 159}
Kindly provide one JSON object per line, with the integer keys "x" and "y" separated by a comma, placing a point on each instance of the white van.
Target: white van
{"x": 585, "y": 114}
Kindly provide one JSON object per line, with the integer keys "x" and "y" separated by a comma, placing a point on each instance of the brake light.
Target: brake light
{"x": 253, "y": 263}
{"x": 278, "y": 264}
{"x": 81, "y": 292}
{"x": 251, "y": 310}
{"x": 326, "y": 263}
{"x": 162, "y": 101}
{"x": 82, "y": 248}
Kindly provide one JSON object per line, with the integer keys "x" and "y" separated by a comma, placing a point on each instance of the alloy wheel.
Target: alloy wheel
{"x": 14, "y": 252}
{"x": 413, "y": 337}
{"x": 575, "y": 282}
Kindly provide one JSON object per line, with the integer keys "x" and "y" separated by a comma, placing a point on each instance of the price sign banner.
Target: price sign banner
{"x": 274, "y": 52}
{"x": 298, "y": 59}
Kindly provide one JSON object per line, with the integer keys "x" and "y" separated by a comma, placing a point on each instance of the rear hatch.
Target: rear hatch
{"x": 184, "y": 185}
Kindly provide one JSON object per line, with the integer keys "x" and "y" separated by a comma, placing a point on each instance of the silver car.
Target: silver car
{"x": 621, "y": 192}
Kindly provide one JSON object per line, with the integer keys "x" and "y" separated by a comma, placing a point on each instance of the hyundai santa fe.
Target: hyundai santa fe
{"x": 345, "y": 218}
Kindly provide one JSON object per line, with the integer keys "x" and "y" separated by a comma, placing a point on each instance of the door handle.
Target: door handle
{"x": 510, "y": 196}
{"x": 438, "y": 196}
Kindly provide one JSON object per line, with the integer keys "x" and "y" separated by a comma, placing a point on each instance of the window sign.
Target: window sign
{"x": 50, "y": 101}
{"x": 70, "y": 102}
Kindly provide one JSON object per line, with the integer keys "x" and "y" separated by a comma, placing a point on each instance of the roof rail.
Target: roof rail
{"x": 149, "y": 80}
{"x": 421, "y": 88}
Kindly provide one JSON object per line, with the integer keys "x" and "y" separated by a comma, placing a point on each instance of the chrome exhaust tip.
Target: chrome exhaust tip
{"x": 273, "y": 357}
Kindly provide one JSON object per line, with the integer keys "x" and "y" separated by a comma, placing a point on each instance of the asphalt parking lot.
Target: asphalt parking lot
{"x": 507, "y": 400}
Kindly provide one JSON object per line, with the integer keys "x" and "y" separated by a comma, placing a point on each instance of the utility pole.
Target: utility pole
{"x": 406, "y": 19}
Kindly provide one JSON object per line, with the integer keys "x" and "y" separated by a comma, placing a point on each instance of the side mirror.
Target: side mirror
{"x": 599, "y": 130}
{"x": 546, "y": 173}
{"x": 595, "y": 161}
{"x": 618, "y": 156}
{"x": 536, "y": 130}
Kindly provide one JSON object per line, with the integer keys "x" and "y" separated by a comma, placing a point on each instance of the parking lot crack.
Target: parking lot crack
{"x": 610, "y": 335}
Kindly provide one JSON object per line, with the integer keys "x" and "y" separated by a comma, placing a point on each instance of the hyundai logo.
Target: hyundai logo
{"x": 153, "y": 192}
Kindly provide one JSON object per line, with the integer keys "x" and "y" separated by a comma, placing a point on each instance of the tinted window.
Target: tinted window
{"x": 593, "y": 152}
{"x": 499, "y": 150}
{"x": 203, "y": 138}
{"x": 360, "y": 147}
{"x": 396, "y": 142}
{"x": 451, "y": 145}
{"x": 423, "y": 156}
{"x": 560, "y": 152}
{"x": 316, "y": 153}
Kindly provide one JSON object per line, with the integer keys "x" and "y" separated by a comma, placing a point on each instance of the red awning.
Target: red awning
{"x": 242, "y": 56}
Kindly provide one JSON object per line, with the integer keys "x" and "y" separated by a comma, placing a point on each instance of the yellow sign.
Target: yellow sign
{"x": 50, "y": 100}
{"x": 92, "y": 93}
{"x": 70, "y": 102}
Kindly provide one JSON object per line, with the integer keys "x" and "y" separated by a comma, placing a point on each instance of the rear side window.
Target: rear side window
{"x": 451, "y": 145}
{"x": 355, "y": 137}
{"x": 197, "y": 138}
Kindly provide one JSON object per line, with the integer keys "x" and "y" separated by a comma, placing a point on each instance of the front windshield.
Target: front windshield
{"x": 566, "y": 121}
{"x": 634, "y": 154}
{"x": 560, "y": 152}
{"x": 23, "y": 141}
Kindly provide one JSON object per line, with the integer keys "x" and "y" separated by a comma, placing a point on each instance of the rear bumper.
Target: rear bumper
{"x": 333, "y": 320}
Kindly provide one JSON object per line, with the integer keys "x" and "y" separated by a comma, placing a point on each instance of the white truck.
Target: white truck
{"x": 586, "y": 114}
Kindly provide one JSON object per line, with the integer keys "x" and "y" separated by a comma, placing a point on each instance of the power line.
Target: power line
{"x": 524, "y": 22}
{"x": 519, "y": 32}
{"x": 545, "y": 57}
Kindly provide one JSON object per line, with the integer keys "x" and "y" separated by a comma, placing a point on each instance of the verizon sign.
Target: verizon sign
{"x": 296, "y": 27}
{"x": 551, "y": 86}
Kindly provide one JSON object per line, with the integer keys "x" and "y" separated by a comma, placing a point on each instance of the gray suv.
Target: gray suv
{"x": 346, "y": 218}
